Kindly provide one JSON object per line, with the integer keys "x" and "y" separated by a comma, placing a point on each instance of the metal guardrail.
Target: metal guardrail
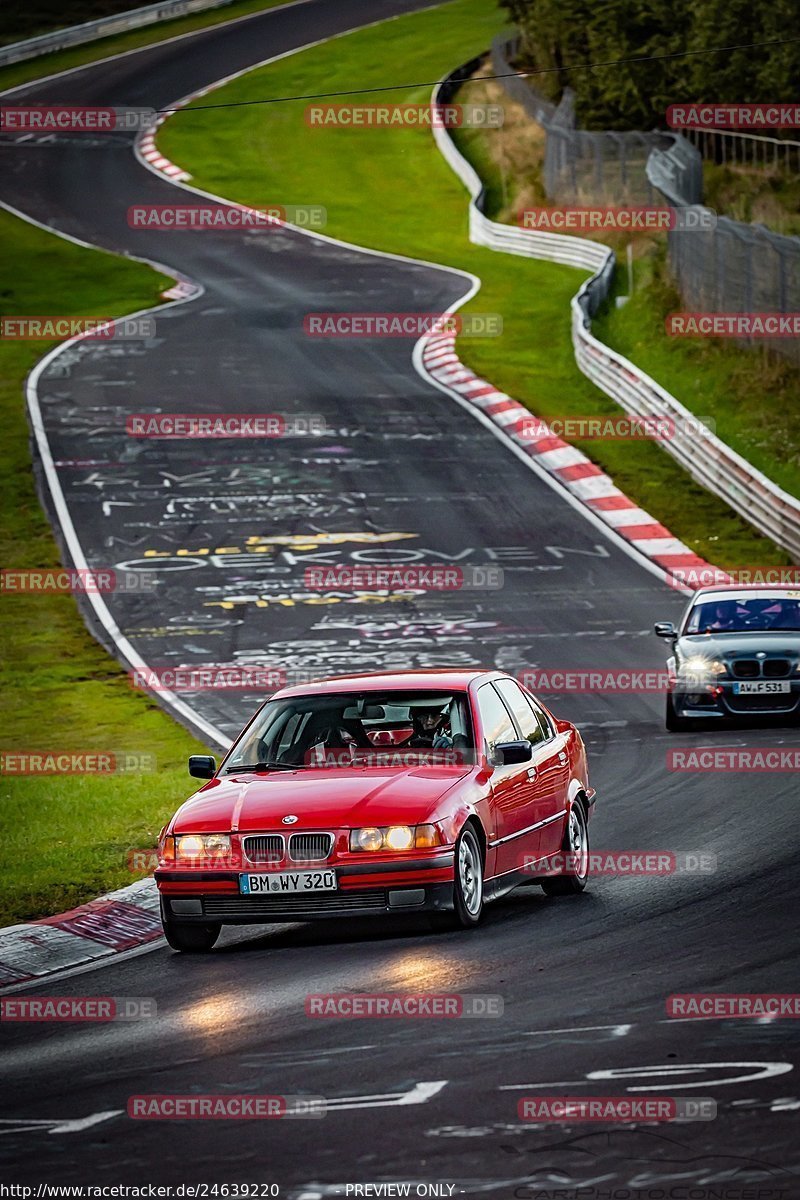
{"x": 707, "y": 459}
{"x": 90, "y": 31}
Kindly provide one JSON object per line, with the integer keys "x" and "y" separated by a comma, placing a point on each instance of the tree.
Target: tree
{"x": 560, "y": 34}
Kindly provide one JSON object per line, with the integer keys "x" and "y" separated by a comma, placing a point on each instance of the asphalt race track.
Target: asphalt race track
{"x": 584, "y": 980}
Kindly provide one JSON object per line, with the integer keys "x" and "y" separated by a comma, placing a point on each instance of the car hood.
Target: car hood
{"x": 725, "y": 645}
{"x": 319, "y": 798}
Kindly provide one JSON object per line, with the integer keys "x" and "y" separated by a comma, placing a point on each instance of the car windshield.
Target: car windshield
{"x": 745, "y": 614}
{"x": 363, "y": 729}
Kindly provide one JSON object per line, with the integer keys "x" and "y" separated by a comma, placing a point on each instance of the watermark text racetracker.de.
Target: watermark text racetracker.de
{"x": 66, "y": 118}
{"x": 76, "y": 762}
{"x": 733, "y": 115}
{"x": 617, "y": 1110}
{"x": 67, "y": 1009}
{"x": 733, "y": 324}
{"x": 58, "y": 326}
{"x": 734, "y": 1004}
{"x": 743, "y": 577}
{"x": 735, "y": 758}
{"x": 401, "y": 324}
{"x": 404, "y": 116}
{"x": 616, "y": 680}
{"x": 423, "y": 577}
{"x": 612, "y": 428}
{"x": 209, "y": 678}
{"x": 76, "y": 580}
{"x": 623, "y": 863}
{"x": 218, "y": 218}
{"x": 224, "y": 1107}
{"x": 178, "y": 426}
{"x": 639, "y": 219}
{"x": 399, "y": 1005}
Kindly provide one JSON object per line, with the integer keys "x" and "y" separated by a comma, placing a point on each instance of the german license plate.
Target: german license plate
{"x": 287, "y": 882}
{"x": 762, "y": 687}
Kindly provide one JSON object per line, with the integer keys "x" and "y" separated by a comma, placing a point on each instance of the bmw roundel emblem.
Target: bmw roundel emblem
{"x": 290, "y": 819}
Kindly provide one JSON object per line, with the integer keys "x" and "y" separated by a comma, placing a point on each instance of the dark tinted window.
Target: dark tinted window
{"x": 497, "y": 724}
{"x": 741, "y": 614}
{"x": 542, "y": 718}
{"x": 307, "y": 731}
{"x": 525, "y": 716}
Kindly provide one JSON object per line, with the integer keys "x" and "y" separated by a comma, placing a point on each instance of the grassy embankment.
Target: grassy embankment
{"x": 64, "y": 838}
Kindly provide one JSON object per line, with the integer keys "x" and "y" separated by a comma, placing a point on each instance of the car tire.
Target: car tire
{"x": 189, "y": 939}
{"x": 575, "y": 843}
{"x": 467, "y": 884}
{"x": 673, "y": 722}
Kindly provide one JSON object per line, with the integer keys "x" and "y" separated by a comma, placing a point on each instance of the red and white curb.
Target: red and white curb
{"x": 119, "y": 921}
{"x": 184, "y": 289}
{"x": 146, "y": 146}
{"x": 573, "y": 470}
{"x": 150, "y": 152}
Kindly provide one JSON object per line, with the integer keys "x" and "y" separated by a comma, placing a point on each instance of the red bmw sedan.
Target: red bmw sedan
{"x": 373, "y": 795}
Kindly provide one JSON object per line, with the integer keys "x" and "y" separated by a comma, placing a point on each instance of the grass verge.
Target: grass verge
{"x": 64, "y": 838}
{"x": 390, "y": 189}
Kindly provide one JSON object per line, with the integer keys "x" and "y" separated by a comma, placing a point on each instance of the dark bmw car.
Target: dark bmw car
{"x": 735, "y": 654}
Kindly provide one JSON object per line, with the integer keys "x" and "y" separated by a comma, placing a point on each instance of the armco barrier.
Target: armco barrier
{"x": 90, "y": 31}
{"x": 709, "y": 461}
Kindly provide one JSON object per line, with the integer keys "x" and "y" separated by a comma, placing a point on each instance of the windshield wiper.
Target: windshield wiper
{"x": 260, "y": 766}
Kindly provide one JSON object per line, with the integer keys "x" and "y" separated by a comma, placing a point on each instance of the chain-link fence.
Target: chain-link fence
{"x": 732, "y": 148}
{"x": 581, "y": 167}
{"x": 732, "y": 268}
{"x": 739, "y": 268}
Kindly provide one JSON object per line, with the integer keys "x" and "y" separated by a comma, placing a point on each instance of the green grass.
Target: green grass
{"x": 391, "y": 189}
{"x": 751, "y": 194}
{"x": 78, "y": 56}
{"x": 64, "y": 838}
{"x": 752, "y": 396}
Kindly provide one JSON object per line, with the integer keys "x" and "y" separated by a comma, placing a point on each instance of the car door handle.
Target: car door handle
{"x": 531, "y": 772}
{"x": 562, "y": 756}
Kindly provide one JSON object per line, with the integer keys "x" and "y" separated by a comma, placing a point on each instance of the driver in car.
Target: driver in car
{"x": 431, "y": 729}
{"x": 724, "y": 617}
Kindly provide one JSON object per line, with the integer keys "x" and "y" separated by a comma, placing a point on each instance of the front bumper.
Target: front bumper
{"x": 363, "y": 889}
{"x": 720, "y": 700}
{"x": 231, "y": 908}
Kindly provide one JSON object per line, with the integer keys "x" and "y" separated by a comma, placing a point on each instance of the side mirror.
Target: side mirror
{"x": 202, "y": 766}
{"x": 507, "y": 753}
{"x": 665, "y": 629}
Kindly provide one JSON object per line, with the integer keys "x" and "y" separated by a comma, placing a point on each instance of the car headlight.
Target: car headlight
{"x": 395, "y": 837}
{"x": 206, "y": 845}
{"x": 399, "y": 837}
{"x": 698, "y": 665}
{"x": 366, "y": 839}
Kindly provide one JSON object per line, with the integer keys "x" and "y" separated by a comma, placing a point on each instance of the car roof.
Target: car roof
{"x": 735, "y": 588}
{"x": 438, "y": 680}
